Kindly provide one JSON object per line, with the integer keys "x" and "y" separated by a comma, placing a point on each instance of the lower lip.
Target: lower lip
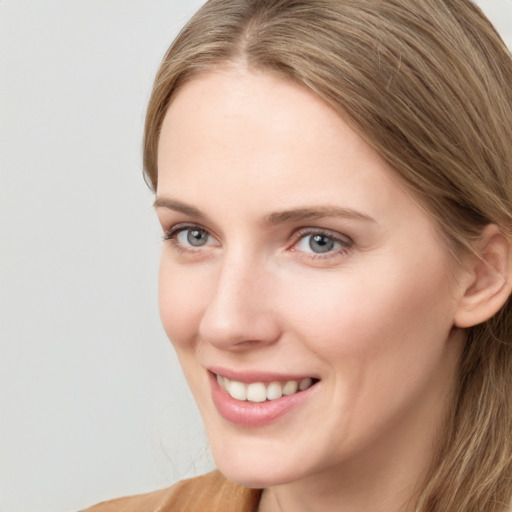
{"x": 255, "y": 414}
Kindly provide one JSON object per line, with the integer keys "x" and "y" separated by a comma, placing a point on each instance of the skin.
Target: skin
{"x": 373, "y": 318}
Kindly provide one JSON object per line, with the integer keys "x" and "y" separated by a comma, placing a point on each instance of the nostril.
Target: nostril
{"x": 236, "y": 331}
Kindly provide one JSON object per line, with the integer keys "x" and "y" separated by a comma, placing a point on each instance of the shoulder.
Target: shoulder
{"x": 207, "y": 493}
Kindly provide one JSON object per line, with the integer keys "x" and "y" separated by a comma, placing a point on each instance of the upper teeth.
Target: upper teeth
{"x": 259, "y": 392}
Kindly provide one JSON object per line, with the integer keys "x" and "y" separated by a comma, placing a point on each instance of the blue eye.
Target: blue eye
{"x": 194, "y": 237}
{"x": 189, "y": 237}
{"x": 321, "y": 243}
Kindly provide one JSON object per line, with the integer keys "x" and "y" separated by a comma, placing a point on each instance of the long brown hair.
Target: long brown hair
{"x": 428, "y": 84}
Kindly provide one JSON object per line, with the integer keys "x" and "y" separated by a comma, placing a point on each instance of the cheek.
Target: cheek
{"x": 384, "y": 340}
{"x": 180, "y": 295}
{"x": 384, "y": 310}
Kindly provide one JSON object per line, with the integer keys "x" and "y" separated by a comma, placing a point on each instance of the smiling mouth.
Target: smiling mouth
{"x": 260, "y": 392}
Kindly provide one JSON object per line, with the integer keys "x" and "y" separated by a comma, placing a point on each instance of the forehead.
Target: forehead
{"x": 258, "y": 104}
{"x": 254, "y": 139}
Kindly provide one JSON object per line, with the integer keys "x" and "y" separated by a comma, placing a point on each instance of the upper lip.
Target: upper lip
{"x": 248, "y": 376}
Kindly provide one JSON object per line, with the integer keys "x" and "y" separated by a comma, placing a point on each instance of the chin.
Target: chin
{"x": 251, "y": 464}
{"x": 258, "y": 477}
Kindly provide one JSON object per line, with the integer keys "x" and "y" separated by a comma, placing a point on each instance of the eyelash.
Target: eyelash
{"x": 172, "y": 233}
{"x": 345, "y": 243}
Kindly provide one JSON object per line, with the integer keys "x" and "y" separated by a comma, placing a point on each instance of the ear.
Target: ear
{"x": 488, "y": 280}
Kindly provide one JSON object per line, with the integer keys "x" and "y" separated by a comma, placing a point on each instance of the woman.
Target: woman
{"x": 333, "y": 179}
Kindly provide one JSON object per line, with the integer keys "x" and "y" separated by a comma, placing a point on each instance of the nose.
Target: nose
{"x": 240, "y": 314}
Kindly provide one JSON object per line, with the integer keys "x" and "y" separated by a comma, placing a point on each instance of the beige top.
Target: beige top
{"x": 207, "y": 493}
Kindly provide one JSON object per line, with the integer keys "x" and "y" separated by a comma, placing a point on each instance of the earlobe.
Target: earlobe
{"x": 489, "y": 279}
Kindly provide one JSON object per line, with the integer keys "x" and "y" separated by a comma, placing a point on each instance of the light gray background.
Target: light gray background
{"x": 93, "y": 404}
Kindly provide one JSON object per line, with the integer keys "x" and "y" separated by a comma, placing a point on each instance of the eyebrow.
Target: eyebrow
{"x": 316, "y": 212}
{"x": 178, "y": 206}
{"x": 279, "y": 217}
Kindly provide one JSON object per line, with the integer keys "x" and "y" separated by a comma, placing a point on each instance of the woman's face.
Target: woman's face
{"x": 295, "y": 259}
